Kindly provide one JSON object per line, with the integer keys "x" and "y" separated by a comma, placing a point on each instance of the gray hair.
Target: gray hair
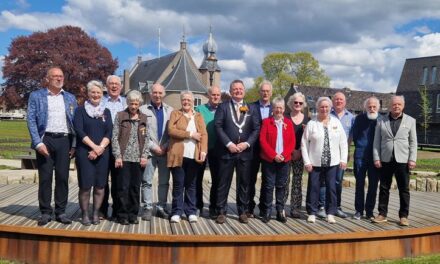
{"x": 401, "y": 97}
{"x": 371, "y": 98}
{"x": 115, "y": 77}
{"x": 278, "y": 100}
{"x": 322, "y": 99}
{"x": 292, "y": 99}
{"x": 133, "y": 96}
{"x": 183, "y": 93}
{"x": 212, "y": 88}
{"x": 157, "y": 85}
{"x": 95, "y": 83}
{"x": 265, "y": 82}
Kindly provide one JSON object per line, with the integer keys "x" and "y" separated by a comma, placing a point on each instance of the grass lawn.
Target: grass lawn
{"x": 14, "y": 138}
{"x": 431, "y": 259}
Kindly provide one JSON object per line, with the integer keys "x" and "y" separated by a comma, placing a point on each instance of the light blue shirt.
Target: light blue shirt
{"x": 115, "y": 106}
{"x": 347, "y": 121}
{"x": 280, "y": 142}
{"x": 264, "y": 110}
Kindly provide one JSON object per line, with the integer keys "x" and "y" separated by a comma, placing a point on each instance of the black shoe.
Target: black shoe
{"x": 62, "y": 218}
{"x": 221, "y": 219}
{"x": 243, "y": 219}
{"x": 212, "y": 214}
{"x": 147, "y": 214}
{"x": 133, "y": 221}
{"x": 265, "y": 218}
{"x": 124, "y": 221}
{"x": 162, "y": 214}
{"x": 96, "y": 222}
{"x": 295, "y": 214}
{"x": 281, "y": 216}
{"x": 86, "y": 222}
{"x": 44, "y": 219}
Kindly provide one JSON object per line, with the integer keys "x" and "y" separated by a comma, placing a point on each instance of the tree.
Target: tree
{"x": 285, "y": 68}
{"x": 426, "y": 110}
{"x": 80, "y": 57}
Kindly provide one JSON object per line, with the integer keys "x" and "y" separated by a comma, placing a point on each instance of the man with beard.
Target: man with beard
{"x": 363, "y": 138}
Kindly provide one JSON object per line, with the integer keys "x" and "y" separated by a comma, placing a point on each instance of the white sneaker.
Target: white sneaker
{"x": 311, "y": 219}
{"x": 192, "y": 218}
{"x": 175, "y": 219}
{"x": 331, "y": 219}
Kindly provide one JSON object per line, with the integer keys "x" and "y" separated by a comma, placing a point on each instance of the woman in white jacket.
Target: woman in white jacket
{"x": 324, "y": 148}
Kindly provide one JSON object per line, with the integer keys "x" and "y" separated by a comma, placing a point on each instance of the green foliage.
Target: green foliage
{"x": 14, "y": 138}
{"x": 426, "y": 109}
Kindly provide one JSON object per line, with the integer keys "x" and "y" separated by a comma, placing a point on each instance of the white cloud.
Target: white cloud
{"x": 233, "y": 65}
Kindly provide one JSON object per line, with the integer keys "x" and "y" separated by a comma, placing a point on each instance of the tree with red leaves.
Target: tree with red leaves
{"x": 80, "y": 57}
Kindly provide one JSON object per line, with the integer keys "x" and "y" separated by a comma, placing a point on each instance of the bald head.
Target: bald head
{"x": 157, "y": 94}
{"x": 214, "y": 95}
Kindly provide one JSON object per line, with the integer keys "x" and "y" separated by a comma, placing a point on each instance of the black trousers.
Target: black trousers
{"x": 255, "y": 168}
{"x": 401, "y": 172}
{"x": 128, "y": 190}
{"x": 59, "y": 160}
{"x": 226, "y": 171}
{"x": 275, "y": 175}
{"x": 213, "y": 169}
{"x": 112, "y": 189}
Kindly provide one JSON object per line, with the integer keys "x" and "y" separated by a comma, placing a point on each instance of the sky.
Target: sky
{"x": 361, "y": 45}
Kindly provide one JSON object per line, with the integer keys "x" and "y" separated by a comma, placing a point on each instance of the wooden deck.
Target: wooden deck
{"x": 346, "y": 241}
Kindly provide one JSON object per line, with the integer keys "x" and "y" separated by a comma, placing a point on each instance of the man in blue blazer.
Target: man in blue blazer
{"x": 50, "y": 124}
{"x": 237, "y": 127}
{"x": 395, "y": 153}
{"x": 263, "y": 109}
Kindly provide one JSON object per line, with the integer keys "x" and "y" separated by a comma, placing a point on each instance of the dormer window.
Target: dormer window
{"x": 424, "y": 76}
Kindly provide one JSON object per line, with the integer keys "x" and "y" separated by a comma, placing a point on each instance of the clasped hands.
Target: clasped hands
{"x": 96, "y": 151}
{"x": 237, "y": 148}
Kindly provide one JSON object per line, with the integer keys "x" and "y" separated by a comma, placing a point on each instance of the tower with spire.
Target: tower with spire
{"x": 209, "y": 68}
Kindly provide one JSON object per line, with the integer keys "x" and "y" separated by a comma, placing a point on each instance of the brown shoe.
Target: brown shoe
{"x": 380, "y": 219}
{"x": 250, "y": 215}
{"x": 404, "y": 221}
{"x": 221, "y": 219}
{"x": 243, "y": 219}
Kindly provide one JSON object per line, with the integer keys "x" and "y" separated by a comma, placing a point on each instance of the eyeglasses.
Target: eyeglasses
{"x": 298, "y": 103}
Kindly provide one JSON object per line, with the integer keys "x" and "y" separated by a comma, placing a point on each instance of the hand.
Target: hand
{"x": 196, "y": 136}
{"x": 98, "y": 150}
{"x": 143, "y": 162}
{"x": 377, "y": 164}
{"x": 296, "y": 155}
{"x": 72, "y": 153}
{"x": 279, "y": 158}
{"x": 157, "y": 151}
{"x": 411, "y": 165}
{"x": 242, "y": 146}
{"x": 43, "y": 150}
{"x": 202, "y": 156}
{"x": 233, "y": 148}
{"x": 92, "y": 155}
{"x": 342, "y": 165}
{"x": 118, "y": 163}
{"x": 308, "y": 167}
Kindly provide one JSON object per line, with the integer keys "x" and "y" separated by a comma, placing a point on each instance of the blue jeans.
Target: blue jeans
{"x": 154, "y": 162}
{"x": 275, "y": 175}
{"x": 184, "y": 188}
{"x": 313, "y": 192}
{"x": 361, "y": 167}
{"x": 322, "y": 191}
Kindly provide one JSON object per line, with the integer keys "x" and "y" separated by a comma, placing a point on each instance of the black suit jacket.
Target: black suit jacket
{"x": 227, "y": 131}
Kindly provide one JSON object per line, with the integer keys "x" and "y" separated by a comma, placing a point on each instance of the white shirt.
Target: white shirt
{"x": 189, "y": 144}
{"x": 312, "y": 142}
{"x": 56, "y": 113}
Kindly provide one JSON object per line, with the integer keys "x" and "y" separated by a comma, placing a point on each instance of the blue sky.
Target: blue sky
{"x": 360, "y": 45}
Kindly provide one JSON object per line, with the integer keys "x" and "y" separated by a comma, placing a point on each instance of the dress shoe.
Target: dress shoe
{"x": 357, "y": 216}
{"x": 86, "y": 222}
{"x": 243, "y": 219}
{"x": 96, "y": 222}
{"x": 380, "y": 219}
{"x": 147, "y": 214}
{"x": 133, "y": 221}
{"x": 124, "y": 221}
{"x": 250, "y": 214}
{"x": 162, "y": 214}
{"x": 295, "y": 214}
{"x": 281, "y": 216}
{"x": 404, "y": 221}
{"x": 221, "y": 219}
{"x": 62, "y": 218}
{"x": 340, "y": 213}
{"x": 44, "y": 219}
{"x": 265, "y": 218}
{"x": 212, "y": 214}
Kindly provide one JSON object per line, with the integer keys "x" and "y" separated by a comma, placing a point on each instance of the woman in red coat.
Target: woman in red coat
{"x": 277, "y": 141}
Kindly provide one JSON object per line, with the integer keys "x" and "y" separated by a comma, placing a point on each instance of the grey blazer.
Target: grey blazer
{"x": 152, "y": 125}
{"x": 404, "y": 143}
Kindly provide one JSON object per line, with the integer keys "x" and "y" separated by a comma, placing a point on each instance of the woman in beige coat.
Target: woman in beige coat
{"x": 187, "y": 150}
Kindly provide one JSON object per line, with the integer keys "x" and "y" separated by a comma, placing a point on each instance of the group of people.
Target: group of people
{"x": 130, "y": 140}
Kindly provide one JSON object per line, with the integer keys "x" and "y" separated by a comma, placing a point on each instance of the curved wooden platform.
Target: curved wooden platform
{"x": 159, "y": 241}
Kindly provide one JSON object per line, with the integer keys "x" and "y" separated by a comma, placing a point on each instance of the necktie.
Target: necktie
{"x": 237, "y": 110}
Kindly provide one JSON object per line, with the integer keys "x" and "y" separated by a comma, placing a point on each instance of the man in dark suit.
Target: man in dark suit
{"x": 237, "y": 127}
{"x": 263, "y": 110}
{"x": 395, "y": 153}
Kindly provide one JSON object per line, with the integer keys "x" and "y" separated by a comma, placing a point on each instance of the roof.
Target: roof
{"x": 176, "y": 72}
{"x": 355, "y": 99}
{"x": 413, "y": 73}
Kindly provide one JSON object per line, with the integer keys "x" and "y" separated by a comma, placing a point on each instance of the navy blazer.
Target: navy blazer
{"x": 256, "y": 105}
{"x": 363, "y": 137}
{"x": 227, "y": 131}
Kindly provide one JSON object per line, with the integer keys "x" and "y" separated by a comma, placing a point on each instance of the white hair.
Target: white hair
{"x": 322, "y": 99}
{"x": 94, "y": 83}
